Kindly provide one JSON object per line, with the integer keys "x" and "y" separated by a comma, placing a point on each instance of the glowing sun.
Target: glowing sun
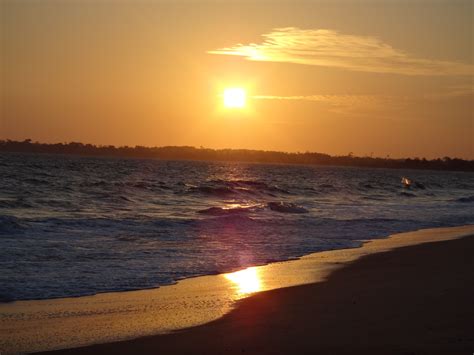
{"x": 234, "y": 97}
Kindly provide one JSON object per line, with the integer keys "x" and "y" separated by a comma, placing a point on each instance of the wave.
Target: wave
{"x": 35, "y": 181}
{"x": 222, "y": 211}
{"x": 139, "y": 184}
{"x": 10, "y": 225}
{"x": 420, "y": 185}
{"x": 286, "y": 207}
{"x": 256, "y": 183}
{"x": 282, "y": 207}
{"x": 145, "y": 185}
{"x": 100, "y": 183}
{"x": 465, "y": 199}
{"x": 17, "y": 203}
{"x": 407, "y": 194}
{"x": 260, "y": 185}
{"x": 235, "y": 187}
{"x": 218, "y": 190}
{"x": 54, "y": 203}
{"x": 235, "y": 220}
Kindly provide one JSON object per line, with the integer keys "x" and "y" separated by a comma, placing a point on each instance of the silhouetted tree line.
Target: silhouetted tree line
{"x": 244, "y": 155}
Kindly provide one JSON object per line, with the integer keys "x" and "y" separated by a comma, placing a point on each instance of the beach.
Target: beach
{"x": 410, "y": 293}
{"x": 229, "y": 177}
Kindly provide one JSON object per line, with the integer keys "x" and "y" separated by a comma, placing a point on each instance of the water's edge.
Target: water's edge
{"x": 30, "y": 326}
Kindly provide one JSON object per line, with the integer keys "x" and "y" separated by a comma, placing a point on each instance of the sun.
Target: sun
{"x": 234, "y": 97}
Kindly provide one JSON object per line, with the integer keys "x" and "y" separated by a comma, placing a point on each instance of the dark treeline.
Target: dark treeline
{"x": 244, "y": 155}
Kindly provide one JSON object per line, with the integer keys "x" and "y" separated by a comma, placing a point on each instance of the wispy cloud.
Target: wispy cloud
{"x": 323, "y": 98}
{"x": 366, "y": 104}
{"x": 457, "y": 91}
{"x": 346, "y": 103}
{"x": 322, "y": 47}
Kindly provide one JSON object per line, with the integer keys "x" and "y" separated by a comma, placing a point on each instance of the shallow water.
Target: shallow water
{"x": 73, "y": 226}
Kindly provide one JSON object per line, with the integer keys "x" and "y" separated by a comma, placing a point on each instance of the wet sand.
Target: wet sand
{"x": 411, "y": 293}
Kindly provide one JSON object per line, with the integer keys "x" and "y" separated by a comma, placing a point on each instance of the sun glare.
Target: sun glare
{"x": 246, "y": 281}
{"x": 234, "y": 97}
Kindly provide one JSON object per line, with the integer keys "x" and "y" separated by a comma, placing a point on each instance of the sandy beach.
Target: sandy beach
{"x": 410, "y": 293}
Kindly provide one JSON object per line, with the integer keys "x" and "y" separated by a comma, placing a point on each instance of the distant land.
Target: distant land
{"x": 241, "y": 155}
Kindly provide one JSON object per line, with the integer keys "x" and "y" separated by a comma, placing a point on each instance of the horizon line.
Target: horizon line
{"x": 349, "y": 154}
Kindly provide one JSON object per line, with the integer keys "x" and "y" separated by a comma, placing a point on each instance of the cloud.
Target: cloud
{"x": 333, "y": 99}
{"x": 370, "y": 104}
{"x": 457, "y": 91}
{"x": 330, "y": 48}
{"x": 346, "y": 103}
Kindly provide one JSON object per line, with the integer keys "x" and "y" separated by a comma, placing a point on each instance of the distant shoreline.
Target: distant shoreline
{"x": 235, "y": 155}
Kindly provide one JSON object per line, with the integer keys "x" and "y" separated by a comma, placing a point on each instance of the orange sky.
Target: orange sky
{"x": 383, "y": 77}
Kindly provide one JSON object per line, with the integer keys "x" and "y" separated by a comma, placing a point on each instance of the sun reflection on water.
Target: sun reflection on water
{"x": 246, "y": 281}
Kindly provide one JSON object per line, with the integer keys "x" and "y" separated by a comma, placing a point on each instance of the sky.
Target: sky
{"x": 381, "y": 78}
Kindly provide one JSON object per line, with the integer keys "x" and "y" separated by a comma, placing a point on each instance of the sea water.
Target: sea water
{"x": 72, "y": 226}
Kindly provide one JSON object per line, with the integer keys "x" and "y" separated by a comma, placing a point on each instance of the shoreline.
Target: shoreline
{"x": 30, "y": 326}
{"x": 277, "y": 163}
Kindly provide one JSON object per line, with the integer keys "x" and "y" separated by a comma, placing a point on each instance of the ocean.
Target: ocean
{"x": 73, "y": 226}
